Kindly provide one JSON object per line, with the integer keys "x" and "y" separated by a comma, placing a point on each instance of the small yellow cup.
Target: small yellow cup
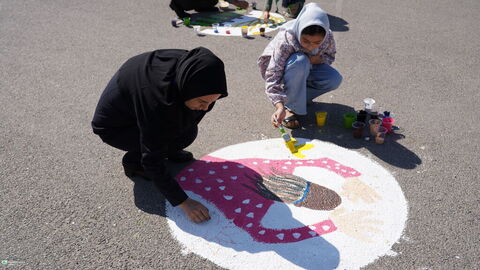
{"x": 244, "y": 30}
{"x": 321, "y": 118}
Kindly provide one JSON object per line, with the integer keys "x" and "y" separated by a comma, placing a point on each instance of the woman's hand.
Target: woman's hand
{"x": 316, "y": 59}
{"x": 266, "y": 16}
{"x": 195, "y": 211}
{"x": 278, "y": 115}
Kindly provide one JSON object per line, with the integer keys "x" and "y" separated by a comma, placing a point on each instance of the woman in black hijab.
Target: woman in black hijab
{"x": 151, "y": 108}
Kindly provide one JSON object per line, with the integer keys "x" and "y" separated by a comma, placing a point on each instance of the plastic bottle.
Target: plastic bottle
{"x": 388, "y": 121}
{"x": 288, "y": 140}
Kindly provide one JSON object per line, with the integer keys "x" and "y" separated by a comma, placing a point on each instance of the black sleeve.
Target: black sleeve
{"x": 154, "y": 147}
{"x": 162, "y": 179}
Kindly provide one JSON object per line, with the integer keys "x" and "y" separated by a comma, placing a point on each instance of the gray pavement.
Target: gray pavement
{"x": 65, "y": 203}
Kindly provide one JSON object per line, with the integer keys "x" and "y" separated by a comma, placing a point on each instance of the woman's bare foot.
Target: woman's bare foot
{"x": 195, "y": 211}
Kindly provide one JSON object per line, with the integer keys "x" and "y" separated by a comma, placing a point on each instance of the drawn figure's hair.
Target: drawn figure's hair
{"x": 293, "y": 189}
{"x": 279, "y": 187}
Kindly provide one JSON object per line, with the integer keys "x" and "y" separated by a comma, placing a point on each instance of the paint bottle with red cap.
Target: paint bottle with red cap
{"x": 388, "y": 121}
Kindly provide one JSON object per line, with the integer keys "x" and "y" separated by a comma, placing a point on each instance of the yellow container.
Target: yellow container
{"x": 321, "y": 118}
{"x": 244, "y": 30}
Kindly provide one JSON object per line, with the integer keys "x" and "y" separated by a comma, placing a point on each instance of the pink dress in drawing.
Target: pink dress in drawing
{"x": 222, "y": 182}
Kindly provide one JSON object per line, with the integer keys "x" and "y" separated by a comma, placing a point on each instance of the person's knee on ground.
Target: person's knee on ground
{"x": 132, "y": 164}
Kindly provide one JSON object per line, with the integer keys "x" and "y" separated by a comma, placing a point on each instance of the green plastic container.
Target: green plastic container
{"x": 348, "y": 120}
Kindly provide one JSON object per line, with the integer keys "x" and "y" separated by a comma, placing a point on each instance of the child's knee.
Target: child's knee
{"x": 298, "y": 61}
{"x": 335, "y": 80}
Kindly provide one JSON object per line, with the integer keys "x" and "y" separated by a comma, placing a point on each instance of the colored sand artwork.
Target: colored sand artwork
{"x": 318, "y": 209}
{"x": 230, "y": 23}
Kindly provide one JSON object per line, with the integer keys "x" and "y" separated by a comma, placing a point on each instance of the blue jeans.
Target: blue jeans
{"x": 304, "y": 81}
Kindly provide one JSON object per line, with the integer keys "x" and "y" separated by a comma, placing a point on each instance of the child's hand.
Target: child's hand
{"x": 278, "y": 115}
{"x": 316, "y": 59}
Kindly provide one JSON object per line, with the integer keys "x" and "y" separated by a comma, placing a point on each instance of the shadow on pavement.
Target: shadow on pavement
{"x": 147, "y": 197}
{"x": 391, "y": 151}
{"x": 338, "y": 24}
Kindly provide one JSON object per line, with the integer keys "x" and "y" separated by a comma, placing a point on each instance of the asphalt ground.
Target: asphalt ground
{"x": 65, "y": 203}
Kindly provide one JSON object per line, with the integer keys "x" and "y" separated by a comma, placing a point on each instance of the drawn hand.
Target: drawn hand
{"x": 195, "y": 211}
{"x": 355, "y": 190}
{"x": 355, "y": 224}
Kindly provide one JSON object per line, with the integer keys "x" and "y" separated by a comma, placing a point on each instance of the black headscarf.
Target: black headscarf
{"x": 200, "y": 73}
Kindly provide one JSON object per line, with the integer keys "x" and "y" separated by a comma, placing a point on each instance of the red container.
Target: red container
{"x": 387, "y": 122}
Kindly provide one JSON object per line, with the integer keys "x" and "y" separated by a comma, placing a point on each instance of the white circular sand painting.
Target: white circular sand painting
{"x": 325, "y": 207}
